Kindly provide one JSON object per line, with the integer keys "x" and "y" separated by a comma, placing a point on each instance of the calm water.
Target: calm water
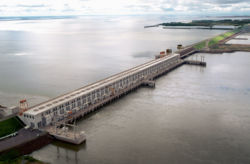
{"x": 40, "y": 59}
{"x": 194, "y": 115}
{"x": 234, "y": 41}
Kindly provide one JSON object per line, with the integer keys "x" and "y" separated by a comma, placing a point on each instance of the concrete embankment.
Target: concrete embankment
{"x": 25, "y": 142}
{"x": 227, "y": 48}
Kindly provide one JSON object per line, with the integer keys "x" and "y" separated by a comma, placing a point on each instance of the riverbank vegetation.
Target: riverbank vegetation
{"x": 217, "y": 39}
{"x": 200, "y": 45}
{"x": 210, "y": 23}
{"x": 213, "y": 41}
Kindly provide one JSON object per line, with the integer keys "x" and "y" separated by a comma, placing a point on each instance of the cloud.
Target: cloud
{"x": 167, "y": 9}
{"x": 31, "y": 6}
{"x": 226, "y": 1}
{"x": 82, "y": 7}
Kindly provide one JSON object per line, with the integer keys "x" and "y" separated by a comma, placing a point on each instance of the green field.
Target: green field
{"x": 214, "y": 40}
{"x": 217, "y": 39}
{"x": 10, "y": 126}
{"x": 200, "y": 45}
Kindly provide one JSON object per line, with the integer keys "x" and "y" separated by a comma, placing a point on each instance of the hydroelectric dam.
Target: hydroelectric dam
{"x": 70, "y": 106}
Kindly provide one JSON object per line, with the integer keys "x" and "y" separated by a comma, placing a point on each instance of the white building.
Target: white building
{"x": 81, "y": 99}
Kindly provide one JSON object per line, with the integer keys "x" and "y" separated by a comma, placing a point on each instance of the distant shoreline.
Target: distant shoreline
{"x": 227, "y": 24}
{"x": 202, "y": 28}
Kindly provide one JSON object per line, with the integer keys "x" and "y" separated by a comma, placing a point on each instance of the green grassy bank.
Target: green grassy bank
{"x": 10, "y": 126}
{"x": 217, "y": 39}
{"x": 200, "y": 45}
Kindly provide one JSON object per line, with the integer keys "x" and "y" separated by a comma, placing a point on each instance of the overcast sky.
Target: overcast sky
{"x": 116, "y": 7}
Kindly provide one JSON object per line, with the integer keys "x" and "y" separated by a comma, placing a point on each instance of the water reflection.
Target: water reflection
{"x": 68, "y": 152}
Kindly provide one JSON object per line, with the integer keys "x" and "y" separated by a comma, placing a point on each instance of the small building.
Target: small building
{"x": 2, "y": 111}
{"x": 14, "y": 109}
{"x": 179, "y": 46}
{"x": 169, "y": 51}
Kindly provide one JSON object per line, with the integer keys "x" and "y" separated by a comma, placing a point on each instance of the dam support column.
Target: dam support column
{"x": 149, "y": 83}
